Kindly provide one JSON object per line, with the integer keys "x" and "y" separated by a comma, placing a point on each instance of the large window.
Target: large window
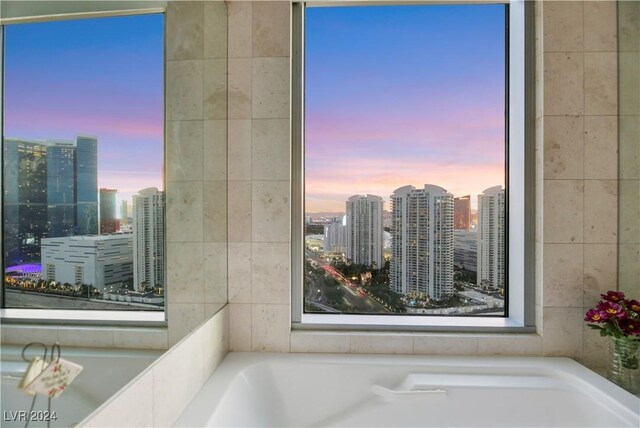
{"x": 404, "y": 113}
{"x": 82, "y": 173}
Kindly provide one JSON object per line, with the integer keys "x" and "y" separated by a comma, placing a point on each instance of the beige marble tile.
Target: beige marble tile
{"x": 629, "y": 214}
{"x": 563, "y": 275}
{"x": 431, "y": 344}
{"x": 270, "y": 328}
{"x": 600, "y": 211}
{"x": 240, "y": 149}
{"x": 600, "y": 83}
{"x": 183, "y": 318}
{"x": 215, "y": 88}
{"x": 270, "y": 149}
{"x": 185, "y": 272}
{"x": 629, "y": 269}
{"x": 600, "y": 26}
{"x": 320, "y": 341}
{"x": 215, "y": 272}
{"x": 511, "y": 344}
{"x": 215, "y": 150}
{"x": 563, "y": 83}
{"x": 184, "y": 212}
{"x": 563, "y": 26}
{"x": 91, "y": 337}
{"x": 141, "y": 338}
{"x": 270, "y": 275}
{"x": 215, "y": 29}
{"x": 240, "y": 89}
{"x": 562, "y": 332}
{"x": 563, "y": 211}
{"x": 600, "y": 271}
{"x": 240, "y": 228}
{"x": 595, "y": 349}
{"x": 132, "y": 407}
{"x": 270, "y": 211}
{"x": 270, "y": 88}
{"x": 601, "y": 147}
{"x": 177, "y": 377}
{"x": 239, "y": 327}
{"x": 185, "y": 32}
{"x": 381, "y": 343}
{"x": 211, "y": 309}
{"x": 629, "y": 26}
{"x": 215, "y": 211}
{"x": 23, "y": 334}
{"x": 240, "y": 263}
{"x": 184, "y": 90}
{"x": 184, "y": 150}
{"x": 240, "y": 25}
{"x": 629, "y": 89}
{"x": 563, "y": 147}
{"x": 271, "y": 28}
{"x": 215, "y": 334}
{"x": 629, "y": 146}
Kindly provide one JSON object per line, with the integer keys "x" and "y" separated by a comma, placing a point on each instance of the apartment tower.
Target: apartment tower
{"x": 422, "y": 241}
{"x": 491, "y": 238}
{"x": 462, "y": 213}
{"x": 148, "y": 239}
{"x": 364, "y": 230}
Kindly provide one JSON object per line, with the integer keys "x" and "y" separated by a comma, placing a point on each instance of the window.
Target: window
{"x": 409, "y": 135}
{"x": 82, "y": 172}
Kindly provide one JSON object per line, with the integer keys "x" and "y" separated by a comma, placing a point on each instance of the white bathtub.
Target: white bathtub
{"x": 366, "y": 391}
{"x": 105, "y": 372}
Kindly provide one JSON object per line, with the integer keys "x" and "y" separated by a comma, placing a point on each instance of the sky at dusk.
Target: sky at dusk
{"x": 102, "y": 77}
{"x": 398, "y": 95}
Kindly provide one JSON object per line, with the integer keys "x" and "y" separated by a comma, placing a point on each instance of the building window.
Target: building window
{"x": 407, "y": 143}
{"x": 83, "y": 154}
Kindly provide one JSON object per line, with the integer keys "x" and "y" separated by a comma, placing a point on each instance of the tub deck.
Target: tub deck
{"x": 286, "y": 390}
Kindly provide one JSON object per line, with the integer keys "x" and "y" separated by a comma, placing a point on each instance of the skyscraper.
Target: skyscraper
{"x": 335, "y": 236}
{"x": 364, "y": 230}
{"x": 491, "y": 234}
{"x": 422, "y": 241}
{"x": 86, "y": 185}
{"x": 462, "y": 212}
{"x": 124, "y": 213}
{"x": 148, "y": 238}
{"x": 108, "y": 220}
{"x": 43, "y": 182}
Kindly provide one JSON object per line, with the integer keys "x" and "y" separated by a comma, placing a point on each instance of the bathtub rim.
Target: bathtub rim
{"x": 235, "y": 364}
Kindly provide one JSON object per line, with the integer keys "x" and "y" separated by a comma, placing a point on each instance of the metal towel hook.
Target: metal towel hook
{"x": 44, "y": 347}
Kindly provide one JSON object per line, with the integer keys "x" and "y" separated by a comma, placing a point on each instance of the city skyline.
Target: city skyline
{"x": 436, "y": 114}
{"x": 106, "y": 77}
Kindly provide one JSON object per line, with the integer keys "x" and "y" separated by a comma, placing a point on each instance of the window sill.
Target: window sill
{"x": 79, "y": 317}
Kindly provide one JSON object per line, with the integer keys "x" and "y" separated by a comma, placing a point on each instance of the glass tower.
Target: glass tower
{"x": 86, "y": 185}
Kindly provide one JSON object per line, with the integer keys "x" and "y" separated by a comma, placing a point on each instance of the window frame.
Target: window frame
{"x": 520, "y": 177}
{"x": 25, "y": 12}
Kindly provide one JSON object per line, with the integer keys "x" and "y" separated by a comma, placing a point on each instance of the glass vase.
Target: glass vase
{"x": 625, "y": 363}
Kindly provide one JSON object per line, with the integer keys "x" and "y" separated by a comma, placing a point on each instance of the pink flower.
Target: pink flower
{"x": 630, "y": 327}
{"x": 595, "y": 315}
{"x": 633, "y": 306}
{"x": 613, "y": 296}
{"x": 611, "y": 310}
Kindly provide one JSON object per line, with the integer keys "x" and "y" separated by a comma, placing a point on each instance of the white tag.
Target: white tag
{"x": 53, "y": 380}
{"x": 36, "y": 366}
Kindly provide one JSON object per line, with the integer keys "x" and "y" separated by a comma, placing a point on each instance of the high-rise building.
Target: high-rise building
{"x": 491, "y": 234}
{"x": 108, "y": 220}
{"x": 335, "y": 236}
{"x": 465, "y": 249}
{"x": 87, "y": 185}
{"x": 47, "y": 189}
{"x": 148, "y": 239}
{"x": 462, "y": 212}
{"x": 124, "y": 213}
{"x": 422, "y": 241}
{"x": 364, "y": 230}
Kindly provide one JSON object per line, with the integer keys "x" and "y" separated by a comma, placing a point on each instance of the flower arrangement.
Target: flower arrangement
{"x": 616, "y": 316}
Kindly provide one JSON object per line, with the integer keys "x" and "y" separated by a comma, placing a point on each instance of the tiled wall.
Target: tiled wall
{"x": 629, "y": 128}
{"x": 576, "y": 190}
{"x": 159, "y": 394}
